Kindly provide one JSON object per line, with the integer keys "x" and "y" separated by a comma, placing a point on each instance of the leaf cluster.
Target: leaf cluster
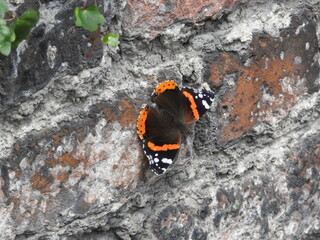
{"x": 90, "y": 19}
{"x": 11, "y": 36}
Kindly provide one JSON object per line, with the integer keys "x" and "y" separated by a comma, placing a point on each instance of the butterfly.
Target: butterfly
{"x": 161, "y": 128}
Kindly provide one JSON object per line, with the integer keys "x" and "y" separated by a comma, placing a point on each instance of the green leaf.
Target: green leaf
{"x": 111, "y": 39}
{"x": 89, "y": 18}
{"x": 6, "y": 34}
{"x": 12, "y": 35}
{"x": 3, "y": 6}
{"x": 4, "y": 30}
{"x": 23, "y": 25}
{"x": 77, "y": 13}
{"x": 5, "y": 48}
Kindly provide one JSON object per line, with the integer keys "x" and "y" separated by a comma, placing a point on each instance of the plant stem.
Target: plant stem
{"x": 89, "y": 53}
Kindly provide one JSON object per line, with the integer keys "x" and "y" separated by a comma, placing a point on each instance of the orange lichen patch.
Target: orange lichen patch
{"x": 16, "y": 201}
{"x": 263, "y": 44}
{"x": 162, "y": 87}
{"x": 90, "y": 199}
{"x": 193, "y": 104}
{"x": 125, "y": 113}
{"x": 215, "y": 76}
{"x": 109, "y": 114}
{"x": 267, "y": 86}
{"x": 83, "y": 158}
{"x": 81, "y": 134}
{"x": 79, "y": 175}
{"x": 50, "y": 153}
{"x": 95, "y": 157}
{"x": 183, "y": 219}
{"x": 167, "y": 222}
{"x": 222, "y": 199}
{"x": 62, "y": 177}
{"x": 68, "y": 160}
{"x": 127, "y": 171}
{"x": 304, "y": 167}
{"x": 18, "y": 172}
{"x": 128, "y": 114}
{"x": 57, "y": 138}
{"x": 141, "y": 123}
{"x": 220, "y": 67}
{"x": 164, "y": 147}
{"x": 17, "y": 147}
{"x": 53, "y": 162}
{"x": 41, "y": 182}
{"x": 307, "y": 155}
{"x": 243, "y": 102}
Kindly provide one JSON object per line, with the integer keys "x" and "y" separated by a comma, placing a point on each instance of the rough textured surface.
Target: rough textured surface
{"x": 72, "y": 166}
{"x": 266, "y": 83}
{"x": 151, "y": 18}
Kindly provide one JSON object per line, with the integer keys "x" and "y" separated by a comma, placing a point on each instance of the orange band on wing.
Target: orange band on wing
{"x": 141, "y": 123}
{"x": 164, "y": 147}
{"x": 162, "y": 87}
{"x": 193, "y": 104}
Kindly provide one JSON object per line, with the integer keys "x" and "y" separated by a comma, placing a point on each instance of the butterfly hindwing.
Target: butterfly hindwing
{"x": 161, "y": 142}
{"x": 159, "y": 160}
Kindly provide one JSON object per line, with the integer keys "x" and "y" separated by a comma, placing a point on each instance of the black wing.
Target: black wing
{"x": 161, "y": 142}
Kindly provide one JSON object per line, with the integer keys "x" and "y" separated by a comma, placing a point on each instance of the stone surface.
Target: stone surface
{"x": 269, "y": 80}
{"x": 72, "y": 166}
{"x": 152, "y": 18}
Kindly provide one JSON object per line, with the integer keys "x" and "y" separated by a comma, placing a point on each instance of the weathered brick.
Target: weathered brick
{"x": 152, "y": 17}
{"x": 268, "y": 82}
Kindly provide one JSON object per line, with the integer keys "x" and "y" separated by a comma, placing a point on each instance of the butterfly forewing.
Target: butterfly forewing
{"x": 169, "y": 100}
{"x": 195, "y": 104}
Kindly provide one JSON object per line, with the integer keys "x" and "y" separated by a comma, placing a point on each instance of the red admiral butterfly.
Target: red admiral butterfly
{"x": 161, "y": 129}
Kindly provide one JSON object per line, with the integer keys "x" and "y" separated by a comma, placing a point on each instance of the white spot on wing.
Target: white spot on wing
{"x": 166, "y": 160}
{"x": 205, "y": 104}
{"x": 200, "y": 95}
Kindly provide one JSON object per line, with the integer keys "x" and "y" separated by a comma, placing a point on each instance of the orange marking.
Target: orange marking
{"x": 193, "y": 104}
{"x": 162, "y": 87}
{"x": 141, "y": 123}
{"x": 164, "y": 147}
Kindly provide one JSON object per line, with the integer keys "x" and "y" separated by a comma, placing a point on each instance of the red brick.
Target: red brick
{"x": 153, "y": 17}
